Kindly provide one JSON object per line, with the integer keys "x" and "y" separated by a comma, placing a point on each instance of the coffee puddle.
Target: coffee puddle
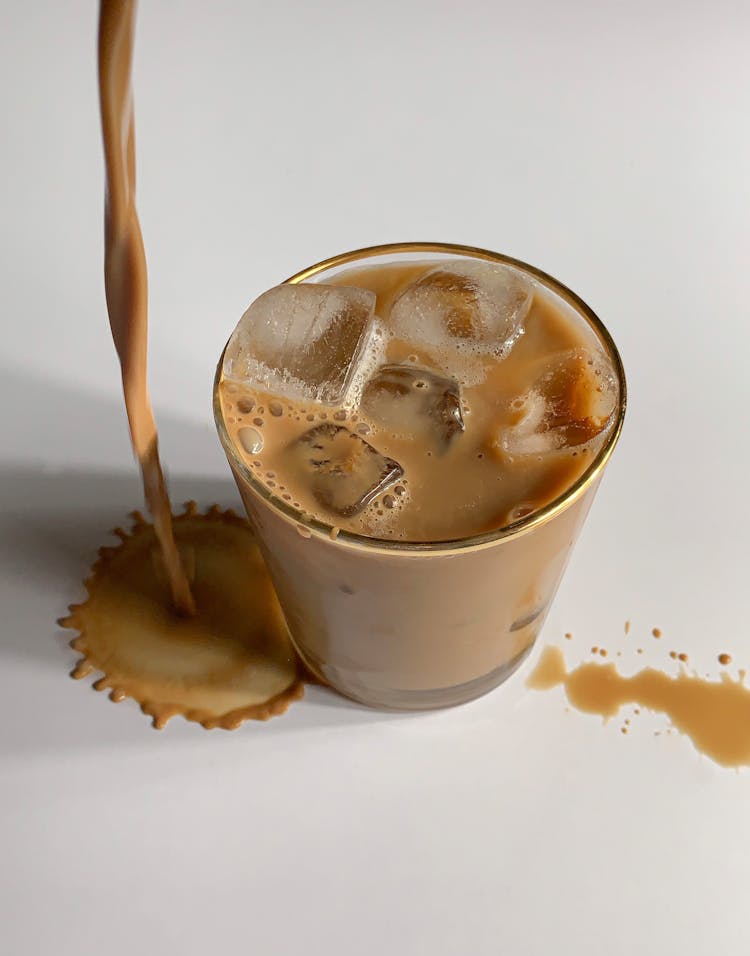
{"x": 229, "y": 662}
{"x": 713, "y": 714}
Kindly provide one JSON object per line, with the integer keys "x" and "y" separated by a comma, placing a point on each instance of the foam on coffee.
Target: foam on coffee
{"x": 483, "y": 434}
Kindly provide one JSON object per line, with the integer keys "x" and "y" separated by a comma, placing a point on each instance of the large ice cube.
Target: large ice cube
{"x": 412, "y": 401}
{"x": 344, "y": 471}
{"x": 571, "y": 401}
{"x": 477, "y": 307}
{"x": 302, "y": 341}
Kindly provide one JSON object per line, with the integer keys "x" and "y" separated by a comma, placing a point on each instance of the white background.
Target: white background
{"x": 605, "y": 142}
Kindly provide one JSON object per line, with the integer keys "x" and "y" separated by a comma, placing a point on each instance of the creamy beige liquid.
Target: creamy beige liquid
{"x": 125, "y": 273}
{"x": 411, "y": 627}
{"x": 229, "y": 662}
{"x": 449, "y": 489}
{"x": 715, "y": 715}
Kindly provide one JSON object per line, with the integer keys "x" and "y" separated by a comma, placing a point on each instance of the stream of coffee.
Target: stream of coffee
{"x": 196, "y": 631}
{"x": 125, "y": 275}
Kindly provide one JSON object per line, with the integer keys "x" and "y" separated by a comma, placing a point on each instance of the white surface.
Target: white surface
{"x": 607, "y": 143}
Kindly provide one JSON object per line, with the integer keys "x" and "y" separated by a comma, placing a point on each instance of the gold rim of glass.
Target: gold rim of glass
{"x": 518, "y": 528}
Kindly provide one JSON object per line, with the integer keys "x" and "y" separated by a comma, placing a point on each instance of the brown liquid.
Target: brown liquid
{"x": 715, "y": 715}
{"x": 387, "y": 624}
{"x": 229, "y": 657}
{"x": 450, "y": 490}
{"x": 125, "y": 274}
{"x": 229, "y": 662}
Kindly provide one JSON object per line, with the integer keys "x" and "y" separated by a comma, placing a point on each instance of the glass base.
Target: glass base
{"x": 350, "y": 685}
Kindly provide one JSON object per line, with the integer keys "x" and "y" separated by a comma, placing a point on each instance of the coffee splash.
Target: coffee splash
{"x": 181, "y": 616}
{"x": 125, "y": 274}
{"x": 231, "y": 661}
{"x": 714, "y": 715}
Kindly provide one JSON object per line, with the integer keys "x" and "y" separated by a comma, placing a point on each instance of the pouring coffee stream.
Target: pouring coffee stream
{"x": 212, "y": 646}
{"x": 126, "y": 277}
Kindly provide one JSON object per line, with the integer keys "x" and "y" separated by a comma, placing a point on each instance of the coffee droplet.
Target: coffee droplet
{"x": 251, "y": 440}
{"x": 230, "y": 662}
{"x": 715, "y": 715}
{"x": 725, "y": 659}
{"x": 656, "y": 632}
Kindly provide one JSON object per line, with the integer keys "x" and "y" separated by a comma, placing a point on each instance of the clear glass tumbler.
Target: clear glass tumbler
{"x": 406, "y": 625}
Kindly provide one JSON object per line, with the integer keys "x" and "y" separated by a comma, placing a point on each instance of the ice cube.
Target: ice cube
{"x": 344, "y": 471}
{"x": 302, "y": 341}
{"x": 571, "y": 401}
{"x": 477, "y": 307}
{"x": 412, "y": 401}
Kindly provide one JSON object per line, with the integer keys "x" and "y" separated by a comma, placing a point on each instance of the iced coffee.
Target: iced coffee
{"x": 416, "y": 436}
